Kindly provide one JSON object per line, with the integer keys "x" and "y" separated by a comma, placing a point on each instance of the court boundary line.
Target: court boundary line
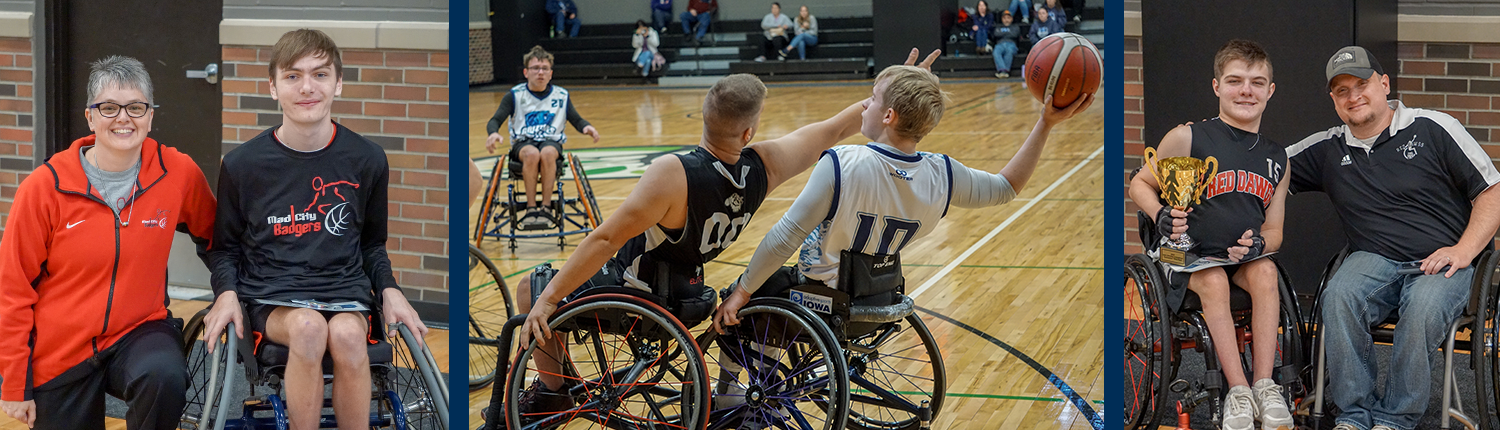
{"x": 1013, "y": 217}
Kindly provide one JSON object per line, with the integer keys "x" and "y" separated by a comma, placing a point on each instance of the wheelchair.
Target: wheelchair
{"x": 500, "y": 215}
{"x": 632, "y": 363}
{"x": 1155, "y": 338}
{"x": 895, "y": 373}
{"x": 1479, "y": 316}
{"x": 408, "y": 390}
{"x": 488, "y": 294}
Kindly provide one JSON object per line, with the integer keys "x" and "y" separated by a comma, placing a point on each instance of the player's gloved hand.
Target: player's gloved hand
{"x": 1171, "y": 223}
{"x": 1251, "y": 246}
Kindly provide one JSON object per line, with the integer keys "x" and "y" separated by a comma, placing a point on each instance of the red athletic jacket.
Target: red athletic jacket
{"x": 73, "y": 280}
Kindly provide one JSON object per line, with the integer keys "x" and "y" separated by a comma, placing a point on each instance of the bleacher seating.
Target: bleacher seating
{"x": 602, "y": 53}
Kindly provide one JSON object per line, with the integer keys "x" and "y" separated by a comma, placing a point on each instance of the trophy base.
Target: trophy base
{"x": 1175, "y": 257}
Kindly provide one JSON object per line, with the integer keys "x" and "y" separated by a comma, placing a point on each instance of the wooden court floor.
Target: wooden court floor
{"x": 1036, "y": 286}
{"x": 437, "y": 340}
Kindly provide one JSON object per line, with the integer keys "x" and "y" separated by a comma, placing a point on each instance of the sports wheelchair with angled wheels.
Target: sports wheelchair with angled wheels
{"x": 632, "y": 363}
{"x": 488, "y": 296}
{"x": 408, "y": 390}
{"x": 1479, "y": 316}
{"x": 894, "y": 371}
{"x": 500, "y": 214}
{"x": 1155, "y": 337}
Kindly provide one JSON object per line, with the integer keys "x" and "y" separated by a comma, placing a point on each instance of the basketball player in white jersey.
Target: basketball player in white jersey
{"x": 537, "y": 110}
{"x": 875, "y": 198}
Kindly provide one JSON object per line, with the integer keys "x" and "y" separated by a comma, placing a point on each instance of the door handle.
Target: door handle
{"x": 210, "y": 73}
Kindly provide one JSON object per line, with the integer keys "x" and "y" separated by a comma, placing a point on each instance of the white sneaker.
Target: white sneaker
{"x": 732, "y": 396}
{"x": 1345, "y": 426}
{"x": 1381, "y": 427}
{"x": 1239, "y": 409}
{"x": 1274, "y": 414}
{"x": 760, "y": 59}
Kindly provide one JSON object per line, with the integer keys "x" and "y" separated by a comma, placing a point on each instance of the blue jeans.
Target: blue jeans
{"x": 560, "y": 20}
{"x": 688, "y": 20}
{"x": 1005, "y": 52}
{"x": 1364, "y": 292}
{"x": 644, "y": 60}
{"x": 801, "y": 42}
{"x": 660, "y": 19}
{"x": 1019, "y": 9}
{"x": 982, "y": 36}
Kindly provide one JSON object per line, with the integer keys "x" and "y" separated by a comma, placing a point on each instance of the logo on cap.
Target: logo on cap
{"x": 1343, "y": 57}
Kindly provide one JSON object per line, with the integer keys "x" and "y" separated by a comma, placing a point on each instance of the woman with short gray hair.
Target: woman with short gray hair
{"x": 83, "y": 266}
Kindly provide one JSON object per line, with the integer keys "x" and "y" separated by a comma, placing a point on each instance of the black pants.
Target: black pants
{"x": 145, "y": 368}
{"x": 774, "y": 45}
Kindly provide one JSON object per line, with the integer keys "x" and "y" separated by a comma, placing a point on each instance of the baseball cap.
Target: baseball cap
{"x": 1353, "y": 61}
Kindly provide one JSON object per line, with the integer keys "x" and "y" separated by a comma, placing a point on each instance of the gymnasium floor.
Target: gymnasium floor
{"x": 992, "y": 284}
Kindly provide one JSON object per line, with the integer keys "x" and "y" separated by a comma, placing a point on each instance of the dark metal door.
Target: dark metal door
{"x": 170, "y": 38}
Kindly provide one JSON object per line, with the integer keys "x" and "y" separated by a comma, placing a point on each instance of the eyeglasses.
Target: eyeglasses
{"x": 111, "y": 110}
{"x": 539, "y": 69}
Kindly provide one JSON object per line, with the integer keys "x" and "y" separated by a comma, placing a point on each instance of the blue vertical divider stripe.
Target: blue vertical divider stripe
{"x": 458, "y": 189}
{"x": 1114, "y": 225}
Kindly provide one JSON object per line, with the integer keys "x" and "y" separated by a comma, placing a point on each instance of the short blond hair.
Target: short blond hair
{"x": 915, "y": 96}
{"x": 732, "y": 105}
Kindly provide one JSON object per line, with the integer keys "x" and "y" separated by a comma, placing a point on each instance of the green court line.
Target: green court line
{"x": 981, "y": 396}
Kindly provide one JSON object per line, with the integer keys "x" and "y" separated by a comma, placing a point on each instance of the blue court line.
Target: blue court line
{"x": 1083, "y": 405}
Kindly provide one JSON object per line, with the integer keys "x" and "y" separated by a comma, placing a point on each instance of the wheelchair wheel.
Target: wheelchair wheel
{"x": 791, "y": 372}
{"x": 1485, "y": 337}
{"x": 414, "y": 386}
{"x": 1149, "y": 347}
{"x": 895, "y": 372}
{"x": 209, "y": 378}
{"x": 488, "y": 293}
{"x": 490, "y": 203}
{"x": 628, "y": 364}
{"x": 585, "y": 192}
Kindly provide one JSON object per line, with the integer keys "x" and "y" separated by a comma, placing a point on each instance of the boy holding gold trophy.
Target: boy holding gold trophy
{"x": 1224, "y": 183}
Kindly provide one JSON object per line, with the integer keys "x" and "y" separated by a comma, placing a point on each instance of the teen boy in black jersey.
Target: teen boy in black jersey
{"x": 315, "y": 229}
{"x": 1240, "y": 217}
{"x": 664, "y": 219}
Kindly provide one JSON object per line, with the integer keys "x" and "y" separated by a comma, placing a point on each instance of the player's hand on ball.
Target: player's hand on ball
{"x": 592, "y": 133}
{"x": 1053, "y": 115}
{"x": 490, "y": 142}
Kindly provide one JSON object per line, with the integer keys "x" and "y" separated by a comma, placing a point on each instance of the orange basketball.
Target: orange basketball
{"x": 1065, "y": 65}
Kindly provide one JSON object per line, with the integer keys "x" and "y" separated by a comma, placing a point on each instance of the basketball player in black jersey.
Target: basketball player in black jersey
{"x": 666, "y": 220}
{"x": 1240, "y": 218}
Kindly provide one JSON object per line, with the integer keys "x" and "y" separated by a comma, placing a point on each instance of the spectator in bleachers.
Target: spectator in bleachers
{"x": 983, "y": 22}
{"x": 645, "y": 41}
{"x": 698, "y": 12}
{"x": 661, "y": 15}
{"x": 776, "y": 26}
{"x": 1006, "y": 35}
{"x": 564, "y": 14}
{"x": 1020, "y": 8}
{"x": 1055, "y": 12}
{"x": 1043, "y": 26}
{"x": 807, "y": 34}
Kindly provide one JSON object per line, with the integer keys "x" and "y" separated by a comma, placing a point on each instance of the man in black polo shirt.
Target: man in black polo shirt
{"x": 1412, "y": 187}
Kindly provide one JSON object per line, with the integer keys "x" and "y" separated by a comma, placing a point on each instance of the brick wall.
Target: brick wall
{"x": 1134, "y": 120}
{"x": 399, "y": 100}
{"x": 16, "y": 118}
{"x": 481, "y": 57}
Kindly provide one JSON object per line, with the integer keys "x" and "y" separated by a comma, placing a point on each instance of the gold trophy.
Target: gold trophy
{"x": 1182, "y": 181}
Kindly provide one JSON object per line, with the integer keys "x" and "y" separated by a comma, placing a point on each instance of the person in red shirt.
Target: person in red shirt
{"x": 83, "y": 267}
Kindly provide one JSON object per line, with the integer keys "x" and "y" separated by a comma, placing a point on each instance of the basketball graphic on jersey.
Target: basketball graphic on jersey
{"x": 337, "y": 221}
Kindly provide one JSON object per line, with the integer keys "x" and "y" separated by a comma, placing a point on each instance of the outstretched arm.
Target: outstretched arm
{"x": 663, "y": 187}
{"x": 1018, "y": 170}
{"x": 790, "y": 155}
